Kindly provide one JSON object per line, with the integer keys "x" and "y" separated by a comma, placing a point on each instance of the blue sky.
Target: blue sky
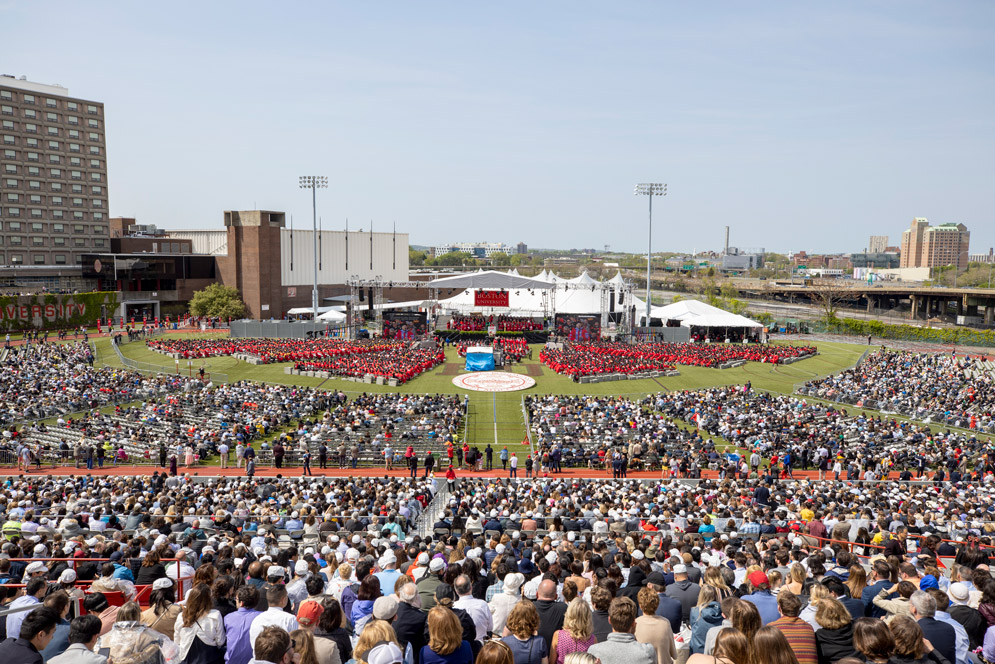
{"x": 801, "y": 125}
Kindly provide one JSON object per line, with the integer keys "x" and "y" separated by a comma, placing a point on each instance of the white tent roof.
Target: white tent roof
{"x": 584, "y": 279}
{"x": 692, "y": 313}
{"x": 617, "y": 279}
{"x": 332, "y": 316}
{"x": 487, "y": 280}
{"x": 298, "y": 311}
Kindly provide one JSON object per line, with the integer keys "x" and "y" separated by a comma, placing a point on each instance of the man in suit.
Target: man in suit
{"x": 840, "y": 592}
{"x": 882, "y": 580}
{"x": 669, "y": 607}
{"x": 922, "y": 607}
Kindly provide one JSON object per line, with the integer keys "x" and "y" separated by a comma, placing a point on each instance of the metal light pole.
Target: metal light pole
{"x": 314, "y": 182}
{"x": 650, "y": 190}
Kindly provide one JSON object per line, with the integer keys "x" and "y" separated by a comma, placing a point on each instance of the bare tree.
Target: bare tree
{"x": 830, "y": 294}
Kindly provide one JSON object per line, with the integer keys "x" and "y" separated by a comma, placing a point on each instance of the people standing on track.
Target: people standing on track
{"x": 513, "y": 464}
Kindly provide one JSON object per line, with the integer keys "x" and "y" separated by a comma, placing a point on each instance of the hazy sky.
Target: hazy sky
{"x": 802, "y": 125}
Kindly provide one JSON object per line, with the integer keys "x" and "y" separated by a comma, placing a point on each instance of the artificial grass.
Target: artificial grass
{"x": 497, "y": 418}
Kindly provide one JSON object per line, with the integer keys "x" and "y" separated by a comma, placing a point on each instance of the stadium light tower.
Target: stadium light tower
{"x": 650, "y": 190}
{"x": 314, "y": 182}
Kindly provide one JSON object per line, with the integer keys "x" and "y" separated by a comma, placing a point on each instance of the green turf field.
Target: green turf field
{"x": 498, "y": 418}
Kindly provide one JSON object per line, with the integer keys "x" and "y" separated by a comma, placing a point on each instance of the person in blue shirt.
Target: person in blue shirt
{"x": 762, "y": 598}
{"x": 445, "y": 639}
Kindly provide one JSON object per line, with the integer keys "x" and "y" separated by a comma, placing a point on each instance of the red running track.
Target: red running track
{"x": 215, "y": 471}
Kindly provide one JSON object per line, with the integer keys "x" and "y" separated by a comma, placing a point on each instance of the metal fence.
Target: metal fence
{"x": 277, "y": 329}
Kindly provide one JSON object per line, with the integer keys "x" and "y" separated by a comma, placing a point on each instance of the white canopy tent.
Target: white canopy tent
{"x": 300, "y": 311}
{"x": 693, "y": 313}
{"x": 332, "y": 316}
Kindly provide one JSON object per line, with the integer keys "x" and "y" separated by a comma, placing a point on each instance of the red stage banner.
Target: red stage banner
{"x": 485, "y": 298}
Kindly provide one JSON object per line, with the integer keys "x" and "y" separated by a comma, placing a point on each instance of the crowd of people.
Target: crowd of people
{"x": 274, "y": 350}
{"x": 239, "y": 424}
{"x": 47, "y": 380}
{"x": 580, "y": 360}
{"x": 760, "y": 432}
{"x": 940, "y": 387}
{"x": 400, "y": 362}
{"x": 504, "y": 323}
{"x": 589, "y": 358}
{"x": 327, "y": 571}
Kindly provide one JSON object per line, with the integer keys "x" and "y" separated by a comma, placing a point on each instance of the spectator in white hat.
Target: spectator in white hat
{"x": 503, "y": 602}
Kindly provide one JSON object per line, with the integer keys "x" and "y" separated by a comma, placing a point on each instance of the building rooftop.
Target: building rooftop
{"x": 23, "y": 83}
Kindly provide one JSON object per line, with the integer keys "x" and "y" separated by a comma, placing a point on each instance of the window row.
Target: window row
{"x": 34, "y": 213}
{"x": 48, "y": 102}
{"x": 78, "y": 229}
{"x": 36, "y": 185}
{"x": 42, "y": 241}
{"x": 16, "y": 211}
{"x": 10, "y": 139}
{"x": 30, "y": 127}
{"x": 37, "y": 259}
{"x": 14, "y": 169}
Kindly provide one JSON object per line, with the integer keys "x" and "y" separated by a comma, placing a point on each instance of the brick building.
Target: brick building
{"x": 935, "y": 246}
{"x": 53, "y": 188}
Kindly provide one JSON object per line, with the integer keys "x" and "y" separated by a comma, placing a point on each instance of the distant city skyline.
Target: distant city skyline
{"x": 803, "y": 127}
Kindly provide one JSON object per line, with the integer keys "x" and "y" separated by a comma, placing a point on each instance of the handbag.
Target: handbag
{"x": 201, "y": 653}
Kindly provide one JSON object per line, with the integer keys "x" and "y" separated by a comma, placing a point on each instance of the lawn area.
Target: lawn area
{"x": 498, "y": 418}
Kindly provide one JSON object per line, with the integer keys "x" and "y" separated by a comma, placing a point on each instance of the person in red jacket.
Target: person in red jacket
{"x": 451, "y": 478}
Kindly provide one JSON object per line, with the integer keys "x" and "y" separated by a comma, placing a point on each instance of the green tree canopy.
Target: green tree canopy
{"x": 217, "y": 300}
{"x": 416, "y": 258}
{"x": 500, "y": 258}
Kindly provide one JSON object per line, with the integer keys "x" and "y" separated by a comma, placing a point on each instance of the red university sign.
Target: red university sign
{"x": 483, "y": 298}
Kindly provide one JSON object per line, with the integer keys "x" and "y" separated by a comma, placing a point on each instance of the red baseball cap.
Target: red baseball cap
{"x": 757, "y": 578}
{"x": 309, "y": 612}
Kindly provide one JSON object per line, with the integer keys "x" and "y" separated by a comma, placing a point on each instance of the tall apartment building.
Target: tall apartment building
{"x": 878, "y": 244}
{"x": 53, "y": 175}
{"x": 935, "y": 246}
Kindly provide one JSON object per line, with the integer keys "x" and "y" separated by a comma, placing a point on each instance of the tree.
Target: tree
{"x": 452, "y": 259}
{"x": 830, "y": 294}
{"x": 416, "y": 258}
{"x": 500, "y": 258}
{"x": 218, "y": 301}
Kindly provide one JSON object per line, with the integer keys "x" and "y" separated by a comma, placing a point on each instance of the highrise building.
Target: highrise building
{"x": 53, "y": 175}
{"x": 935, "y": 246}
{"x": 878, "y": 244}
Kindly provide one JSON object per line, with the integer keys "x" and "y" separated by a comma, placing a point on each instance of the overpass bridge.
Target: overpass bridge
{"x": 972, "y": 306}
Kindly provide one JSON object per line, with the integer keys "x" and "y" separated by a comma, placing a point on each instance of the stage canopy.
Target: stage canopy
{"x": 489, "y": 280}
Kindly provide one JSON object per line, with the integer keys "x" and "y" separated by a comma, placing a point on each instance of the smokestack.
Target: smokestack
{"x": 727, "y": 241}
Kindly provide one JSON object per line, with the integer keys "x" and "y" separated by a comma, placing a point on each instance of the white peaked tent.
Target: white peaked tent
{"x": 332, "y": 316}
{"x": 584, "y": 279}
{"x": 617, "y": 280}
{"x": 692, "y": 313}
